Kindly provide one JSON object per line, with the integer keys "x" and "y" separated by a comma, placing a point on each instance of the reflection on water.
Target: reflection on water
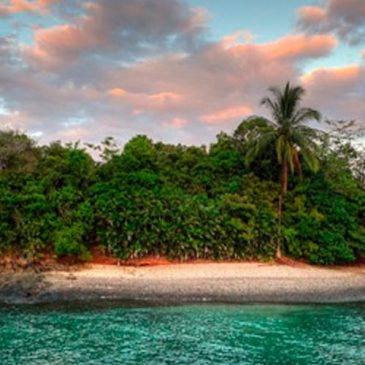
{"x": 194, "y": 334}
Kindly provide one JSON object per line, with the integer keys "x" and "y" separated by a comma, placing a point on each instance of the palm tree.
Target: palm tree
{"x": 294, "y": 141}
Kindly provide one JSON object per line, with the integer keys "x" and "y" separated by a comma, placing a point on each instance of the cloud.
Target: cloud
{"x": 117, "y": 91}
{"x": 338, "y": 92}
{"x": 297, "y": 46}
{"x": 301, "y": 46}
{"x": 175, "y": 123}
{"x": 219, "y": 82}
{"x": 165, "y": 100}
{"x": 226, "y": 114}
{"x": 344, "y": 17}
{"x": 146, "y": 67}
{"x": 311, "y": 15}
{"x": 125, "y": 30}
{"x": 18, "y": 6}
{"x": 346, "y": 75}
{"x": 164, "y": 97}
{"x": 238, "y": 37}
{"x": 196, "y": 93}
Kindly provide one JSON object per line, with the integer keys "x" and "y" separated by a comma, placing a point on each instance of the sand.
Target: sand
{"x": 188, "y": 283}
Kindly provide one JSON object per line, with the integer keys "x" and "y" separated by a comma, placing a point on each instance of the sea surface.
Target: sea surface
{"x": 116, "y": 333}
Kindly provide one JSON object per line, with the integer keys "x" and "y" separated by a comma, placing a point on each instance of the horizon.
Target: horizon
{"x": 178, "y": 72}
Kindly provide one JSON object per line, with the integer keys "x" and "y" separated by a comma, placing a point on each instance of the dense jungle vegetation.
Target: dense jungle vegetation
{"x": 272, "y": 187}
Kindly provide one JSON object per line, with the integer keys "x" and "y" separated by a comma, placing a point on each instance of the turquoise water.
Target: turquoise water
{"x": 194, "y": 334}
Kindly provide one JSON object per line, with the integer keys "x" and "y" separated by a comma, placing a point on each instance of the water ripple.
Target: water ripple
{"x": 199, "y": 334}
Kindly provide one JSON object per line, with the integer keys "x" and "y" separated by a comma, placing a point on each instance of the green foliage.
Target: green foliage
{"x": 323, "y": 224}
{"x": 17, "y": 152}
{"x": 68, "y": 242}
{"x": 174, "y": 200}
{"x": 41, "y": 207}
{"x": 168, "y": 221}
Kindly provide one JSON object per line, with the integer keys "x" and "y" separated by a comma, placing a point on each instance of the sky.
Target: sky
{"x": 179, "y": 71}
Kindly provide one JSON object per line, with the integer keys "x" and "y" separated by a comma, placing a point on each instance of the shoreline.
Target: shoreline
{"x": 187, "y": 283}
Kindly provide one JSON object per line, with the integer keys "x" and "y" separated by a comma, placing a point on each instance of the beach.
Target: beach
{"x": 187, "y": 283}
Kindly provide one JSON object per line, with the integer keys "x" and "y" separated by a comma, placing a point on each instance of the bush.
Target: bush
{"x": 179, "y": 201}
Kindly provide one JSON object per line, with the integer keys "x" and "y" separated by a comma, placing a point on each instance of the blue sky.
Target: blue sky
{"x": 265, "y": 22}
{"x": 82, "y": 70}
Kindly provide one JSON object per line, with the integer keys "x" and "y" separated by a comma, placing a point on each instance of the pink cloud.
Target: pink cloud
{"x": 17, "y": 6}
{"x": 292, "y": 46}
{"x": 212, "y": 88}
{"x": 338, "y": 92}
{"x": 117, "y": 91}
{"x": 164, "y": 100}
{"x": 238, "y": 37}
{"x": 221, "y": 82}
{"x": 312, "y": 14}
{"x": 301, "y": 46}
{"x": 128, "y": 67}
{"x": 346, "y": 75}
{"x": 141, "y": 102}
{"x": 175, "y": 123}
{"x": 125, "y": 28}
{"x": 344, "y": 17}
{"x": 229, "y": 114}
{"x": 53, "y": 46}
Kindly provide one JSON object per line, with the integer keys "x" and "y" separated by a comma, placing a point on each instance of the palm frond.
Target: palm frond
{"x": 310, "y": 159}
{"x": 304, "y": 136}
{"x": 291, "y": 98}
{"x": 291, "y": 137}
{"x": 259, "y": 145}
{"x": 273, "y": 106}
{"x": 304, "y": 115}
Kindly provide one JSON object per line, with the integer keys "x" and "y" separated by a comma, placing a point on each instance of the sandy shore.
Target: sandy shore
{"x": 208, "y": 282}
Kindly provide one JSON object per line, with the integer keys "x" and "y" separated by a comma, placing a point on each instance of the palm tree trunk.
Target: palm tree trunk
{"x": 283, "y": 191}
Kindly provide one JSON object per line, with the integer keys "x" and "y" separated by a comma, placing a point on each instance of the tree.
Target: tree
{"x": 287, "y": 132}
{"x": 17, "y": 152}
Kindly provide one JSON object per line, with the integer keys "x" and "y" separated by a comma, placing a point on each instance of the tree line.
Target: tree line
{"x": 275, "y": 186}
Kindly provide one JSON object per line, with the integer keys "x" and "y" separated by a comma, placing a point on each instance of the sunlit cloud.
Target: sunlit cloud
{"x": 346, "y": 18}
{"x": 150, "y": 67}
{"x": 19, "y": 6}
{"x": 338, "y": 92}
{"x": 117, "y": 91}
{"x": 226, "y": 115}
{"x": 175, "y": 123}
